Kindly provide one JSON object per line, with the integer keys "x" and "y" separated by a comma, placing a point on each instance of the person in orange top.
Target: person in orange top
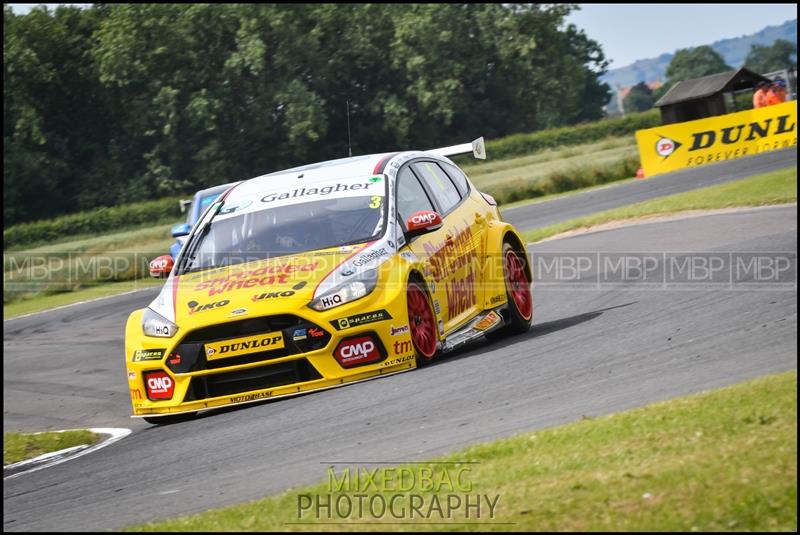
{"x": 760, "y": 95}
{"x": 777, "y": 92}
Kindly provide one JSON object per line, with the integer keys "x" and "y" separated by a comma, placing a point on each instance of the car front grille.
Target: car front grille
{"x": 190, "y": 356}
{"x": 245, "y": 327}
{"x": 235, "y": 382}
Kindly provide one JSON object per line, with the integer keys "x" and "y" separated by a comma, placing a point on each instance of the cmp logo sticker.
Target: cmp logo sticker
{"x": 360, "y": 319}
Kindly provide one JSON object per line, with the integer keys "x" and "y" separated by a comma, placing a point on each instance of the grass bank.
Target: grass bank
{"x": 40, "y": 303}
{"x": 37, "y": 278}
{"x": 716, "y": 461}
{"x": 21, "y": 446}
{"x": 553, "y": 171}
{"x": 776, "y": 187}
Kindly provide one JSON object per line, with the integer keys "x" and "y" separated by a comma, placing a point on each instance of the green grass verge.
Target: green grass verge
{"x": 539, "y": 164}
{"x": 40, "y": 303}
{"x": 554, "y": 196}
{"x": 133, "y": 237}
{"x": 37, "y": 277}
{"x": 776, "y": 187}
{"x": 720, "y": 460}
{"x": 554, "y": 171}
{"x": 21, "y": 446}
{"x": 92, "y": 222}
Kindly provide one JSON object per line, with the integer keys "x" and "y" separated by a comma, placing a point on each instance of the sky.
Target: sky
{"x": 628, "y": 32}
{"x": 640, "y": 31}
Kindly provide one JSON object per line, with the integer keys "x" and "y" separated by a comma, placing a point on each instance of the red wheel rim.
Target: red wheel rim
{"x": 519, "y": 285}
{"x": 420, "y": 318}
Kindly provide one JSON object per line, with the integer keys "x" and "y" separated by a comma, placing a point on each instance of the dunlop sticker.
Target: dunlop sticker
{"x": 244, "y": 346}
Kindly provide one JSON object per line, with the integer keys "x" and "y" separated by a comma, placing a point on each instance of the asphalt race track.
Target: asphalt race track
{"x": 601, "y": 342}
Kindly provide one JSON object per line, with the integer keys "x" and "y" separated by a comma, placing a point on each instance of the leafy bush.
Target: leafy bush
{"x": 99, "y": 221}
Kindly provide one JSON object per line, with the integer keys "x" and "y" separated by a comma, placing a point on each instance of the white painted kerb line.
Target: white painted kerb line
{"x": 67, "y": 454}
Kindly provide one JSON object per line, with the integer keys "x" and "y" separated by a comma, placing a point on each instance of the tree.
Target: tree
{"x": 56, "y": 119}
{"x": 689, "y": 63}
{"x": 639, "y": 98}
{"x": 123, "y": 102}
{"x": 782, "y": 54}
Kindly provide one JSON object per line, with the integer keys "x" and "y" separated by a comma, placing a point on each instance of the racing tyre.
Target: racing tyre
{"x": 518, "y": 292}
{"x": 169, "y": 419}
{"x": 422, "y": 323}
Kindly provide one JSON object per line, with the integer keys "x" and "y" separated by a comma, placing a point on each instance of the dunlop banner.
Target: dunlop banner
{"x": 694, "y": 143}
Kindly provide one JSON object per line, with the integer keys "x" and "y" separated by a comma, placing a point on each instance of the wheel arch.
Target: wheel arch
{"x": 500, "y": 232}
{"x": 518, "y": 244}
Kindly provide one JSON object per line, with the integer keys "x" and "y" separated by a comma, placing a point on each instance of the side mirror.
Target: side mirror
{"x": 181, "y": 230}
{"x": 161, "y": 267}
{"x": 422, "y": 222}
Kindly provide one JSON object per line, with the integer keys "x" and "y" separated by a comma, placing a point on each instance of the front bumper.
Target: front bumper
{"x": 203, "y": 381}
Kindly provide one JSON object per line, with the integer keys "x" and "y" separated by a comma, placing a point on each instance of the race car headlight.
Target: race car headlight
{"x": 355, "y": 288}
{"x": 154, "y": 324}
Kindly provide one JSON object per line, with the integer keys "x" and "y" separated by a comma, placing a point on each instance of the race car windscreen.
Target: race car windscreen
{"x": 287, "y": 229}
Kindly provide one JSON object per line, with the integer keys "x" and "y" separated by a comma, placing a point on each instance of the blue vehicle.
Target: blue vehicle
{"x": 196, "y": 207}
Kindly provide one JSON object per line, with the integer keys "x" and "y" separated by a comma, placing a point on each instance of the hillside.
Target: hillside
{"x": 734, "y": 50}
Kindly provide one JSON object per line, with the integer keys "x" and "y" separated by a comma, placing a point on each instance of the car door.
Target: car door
{"x": 413, "y": 197}
{"x": 456, "y": 255}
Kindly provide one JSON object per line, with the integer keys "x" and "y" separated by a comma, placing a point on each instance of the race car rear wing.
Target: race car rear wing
{"x": 477, "y": 149}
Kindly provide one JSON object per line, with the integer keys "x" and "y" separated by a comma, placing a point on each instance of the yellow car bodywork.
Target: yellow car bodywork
{"x": 460, "y": 264}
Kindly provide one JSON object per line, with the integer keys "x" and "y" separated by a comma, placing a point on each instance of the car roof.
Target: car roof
{"x": 355, "y": 166}
{"x": 211, "y": 191}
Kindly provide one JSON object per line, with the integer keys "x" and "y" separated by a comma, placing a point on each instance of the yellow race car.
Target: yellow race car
{"x": 324, "y": 275}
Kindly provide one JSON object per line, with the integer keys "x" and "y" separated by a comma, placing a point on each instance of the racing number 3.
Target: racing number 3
{"x": 376, "y": 201}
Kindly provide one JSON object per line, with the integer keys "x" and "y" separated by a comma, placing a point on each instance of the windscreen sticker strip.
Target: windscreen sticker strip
{"x": 302, "y": 193}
